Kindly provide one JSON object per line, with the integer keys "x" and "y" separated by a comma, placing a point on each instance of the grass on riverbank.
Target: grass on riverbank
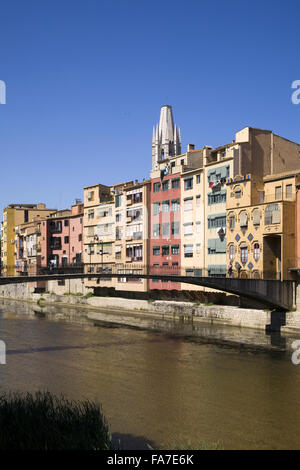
{"x": 42, "y": 421}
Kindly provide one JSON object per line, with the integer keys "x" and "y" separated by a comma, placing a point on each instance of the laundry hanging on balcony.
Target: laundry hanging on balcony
{"x": 165, "y": 171}
{"x": 214, "y": 184}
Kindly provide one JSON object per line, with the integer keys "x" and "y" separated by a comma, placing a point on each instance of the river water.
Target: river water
{"x": 158, "y": 388}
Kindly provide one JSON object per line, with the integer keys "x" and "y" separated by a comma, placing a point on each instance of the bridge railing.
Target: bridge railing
{"x": 137, "y": 268}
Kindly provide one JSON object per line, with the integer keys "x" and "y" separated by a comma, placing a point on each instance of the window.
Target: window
{"x": 156, "y": 251}
{"x": 91, "y": 214}
{"x": 118, "y": 201}
{"x": 188, "y": 251}
{"x": 66, "y": 239}
{"x": 166, "y": 229}
{"x": 217, "y": 221}
{"x": 256, "y": 251}
{"x": 237, "y": 192}
{"x": 198, "y": 248}
{"x": 272, "y": 214}
{"x": 231, "y": 221}
{"x": 278, "y": 192}
{"x": 66, "y": 223}
{"x": 288, "y": 190}
{"x": 188, "y": 204}
{"x": 175, "y": 228}
{"x": 188, "y": 183}
{"x": 231, "y": 252}
{"x": 244, "y": 253}
{"x": 216, "y": 245}
{"x": 165, "y": 250}
{"x": 243, "y": 219}
{"x": 175, "y": 249}
{"x": 156, "y": 187}
{"x": 165, "y": 206}
{"x": 188, "y": 228}
{"x": 256, "y": 217}
{"x": 217, "y": 197}
{"x": 166, "y": 185}
{"x": 118, "y": 217}
{"x": 182, "y": 162}
{"x": 175, "y": 183}
{"x": 90, "y": 195}
{"x": 156, "y": 230}
{"x": 156, "y": 208}
{"x": 197, "y": 179}
{"x": 175, "y": 206}
{"x": 198, "y": 227}
{"x": 80, "y": 237}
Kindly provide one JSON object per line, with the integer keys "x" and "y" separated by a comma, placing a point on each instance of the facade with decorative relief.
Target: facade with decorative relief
{"x": 261, "y": 236}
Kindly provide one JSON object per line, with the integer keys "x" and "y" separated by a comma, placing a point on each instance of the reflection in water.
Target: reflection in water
{"x": 155, "y": 387}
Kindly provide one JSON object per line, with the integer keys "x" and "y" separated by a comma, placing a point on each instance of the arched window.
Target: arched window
{"x": 243, "y": 219}
{"x": 231, "y": 252}
{"x": 237, "y": 192}
{"x": 256, "y": 252}
{"x": 256, "y": 217}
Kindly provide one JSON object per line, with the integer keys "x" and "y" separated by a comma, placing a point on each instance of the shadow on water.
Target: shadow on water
{"x": 130, "y": 442}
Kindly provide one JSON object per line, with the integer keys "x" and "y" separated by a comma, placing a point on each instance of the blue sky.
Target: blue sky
{"x": 86, "y": 79}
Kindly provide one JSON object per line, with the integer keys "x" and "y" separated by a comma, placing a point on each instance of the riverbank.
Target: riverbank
{"x": 151, "y": 314}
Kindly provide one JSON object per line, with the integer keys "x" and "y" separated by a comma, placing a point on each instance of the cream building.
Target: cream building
{"x": 261, "y": 227}
{"x": 192, "y": 224}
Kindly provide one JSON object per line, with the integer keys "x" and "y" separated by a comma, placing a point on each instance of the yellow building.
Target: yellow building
{"x": 14, "y": 215}
{"x": 261, "y": 228}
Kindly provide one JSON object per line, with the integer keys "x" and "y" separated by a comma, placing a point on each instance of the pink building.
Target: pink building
{"x": 61, "y": 237}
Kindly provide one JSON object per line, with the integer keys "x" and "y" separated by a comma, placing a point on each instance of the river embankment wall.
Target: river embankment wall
{"x": 214, "y": 314}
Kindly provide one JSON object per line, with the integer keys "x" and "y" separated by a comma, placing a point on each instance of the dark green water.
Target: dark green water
{"x": 156, "y": 388}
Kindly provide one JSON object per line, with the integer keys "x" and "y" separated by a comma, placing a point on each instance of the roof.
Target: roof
{"x": 285, "y": 174}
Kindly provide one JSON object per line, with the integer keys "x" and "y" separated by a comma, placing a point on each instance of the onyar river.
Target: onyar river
{"x": 159, "y": 387}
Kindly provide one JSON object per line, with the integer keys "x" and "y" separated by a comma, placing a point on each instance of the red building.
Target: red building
{"x": 61, "y": 237}
{"x": 165, "y": 243}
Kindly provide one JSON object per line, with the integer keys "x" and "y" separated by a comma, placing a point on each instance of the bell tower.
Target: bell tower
{"x": 166, "y": 138}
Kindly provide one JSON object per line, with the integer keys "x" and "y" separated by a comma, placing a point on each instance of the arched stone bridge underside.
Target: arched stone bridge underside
{"x": 272, "y": 293}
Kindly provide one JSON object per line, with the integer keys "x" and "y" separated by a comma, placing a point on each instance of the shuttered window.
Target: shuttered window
{"x": 243, "y": 219}
{"x": 256, "y": 217}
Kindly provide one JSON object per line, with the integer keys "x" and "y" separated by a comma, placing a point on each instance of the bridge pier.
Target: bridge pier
{"x": 278, "y": 319}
